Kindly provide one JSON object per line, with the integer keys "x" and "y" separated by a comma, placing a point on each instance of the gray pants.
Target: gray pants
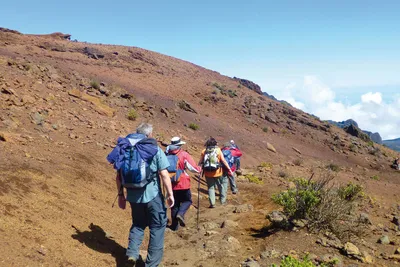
{"x": 154, "y": 216}
{"x": 232, "y": 182}
{"x": 222, "y": 184}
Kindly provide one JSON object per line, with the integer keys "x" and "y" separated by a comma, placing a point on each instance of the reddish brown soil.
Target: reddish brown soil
{"x": 56, "y": 188}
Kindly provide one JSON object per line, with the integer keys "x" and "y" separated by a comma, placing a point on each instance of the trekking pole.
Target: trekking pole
{"x": 198, "y": 198}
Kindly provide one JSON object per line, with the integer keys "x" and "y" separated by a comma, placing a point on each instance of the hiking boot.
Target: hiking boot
{"x": 211, "y": 206}
{"x": 181, "y": 220}
{"x": 131, "y": 262}
{"x": 234, "y": 192}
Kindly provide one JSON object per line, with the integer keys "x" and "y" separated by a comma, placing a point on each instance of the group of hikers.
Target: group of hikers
{"x": 143, "y": 168}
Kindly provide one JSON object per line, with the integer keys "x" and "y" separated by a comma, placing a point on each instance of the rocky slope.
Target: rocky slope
{"x": 63, "y": 104}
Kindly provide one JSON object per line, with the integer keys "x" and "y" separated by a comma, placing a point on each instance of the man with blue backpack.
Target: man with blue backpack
{"x": 226, "y": 151}
{"x": 141, "y": 165}
{"x": 179, "y": 162}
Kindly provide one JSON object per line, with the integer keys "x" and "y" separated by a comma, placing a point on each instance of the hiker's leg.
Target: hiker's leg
{"x": 157, "y": 216}
{"x": 211, "y": 190}
{"x": 222, "y": 183}
{"x": 174, "y": 211}
{"x": 232, "y": 182}
{"x": 136, "y": 233}
{"x": 238, "y": 163}
{"x": 186, "y": 199}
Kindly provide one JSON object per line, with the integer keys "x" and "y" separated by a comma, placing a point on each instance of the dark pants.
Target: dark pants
{"x": 153, "y": 215}
{"x": 183, "y": 200}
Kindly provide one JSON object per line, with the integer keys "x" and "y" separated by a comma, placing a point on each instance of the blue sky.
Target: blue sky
{"x": 351, "y": 47}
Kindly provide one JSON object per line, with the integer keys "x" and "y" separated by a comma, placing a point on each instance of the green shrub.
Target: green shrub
{"x": 254, "y": 179}
{"x": 232, "y": 93}
{"x": 194, "y": 126}
{"x": 375, "y": 177}
{"x": 299, "y": 201}
{"x": 370, "y": 143}
{"x": 132, "y": 115}
{"x": 265, "y": 129}
{"x": 333, "y": 167}
{"x": 95, "y": 85}
{"x": 292, "y": 262}
{"x": 353, "y": 148}
{"x": 350, "y": 191}
{"x": 265, "y": 165}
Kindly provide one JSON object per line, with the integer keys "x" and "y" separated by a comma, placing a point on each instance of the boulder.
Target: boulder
{"x": 278, "y": 219}
{"x": 210, "y": 225}
{"x": 270, "y": 254}
{"x": 351, "y": 250}
{"x": 243, "y": 208}
{"x": 384, "y": 240}
{"x": 229, "y": 224}
{"x": 396, "y": 220}
{"x": 250, "y": 263}
{"x": 271, "y": 147}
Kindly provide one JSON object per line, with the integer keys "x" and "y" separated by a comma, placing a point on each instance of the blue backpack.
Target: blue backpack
{"x": 135, "y": 172}
{"x": 173, "y": 169}
{"x": 228, "y": 157}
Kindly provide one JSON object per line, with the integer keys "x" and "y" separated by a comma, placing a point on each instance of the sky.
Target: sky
{"x": 334, "y": 59}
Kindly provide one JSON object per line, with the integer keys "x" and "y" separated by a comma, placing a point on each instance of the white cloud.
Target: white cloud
{"x": 372, "y": 113}
{"x": 372, "y": 97}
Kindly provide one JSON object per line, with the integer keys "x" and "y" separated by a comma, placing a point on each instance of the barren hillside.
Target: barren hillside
{"x": 63, "y": 104}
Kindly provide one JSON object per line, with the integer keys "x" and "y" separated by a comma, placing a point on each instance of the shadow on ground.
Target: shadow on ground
{"x": 98, "y": 240}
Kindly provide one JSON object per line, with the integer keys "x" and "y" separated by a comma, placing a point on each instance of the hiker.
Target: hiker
{"x": 226, "y": 151}
{"x": 211, "y": 161}
{"x": 179, "y": 162}
{"x": 140, "y": 164}
{"x": 396, "y": 164}
{"x": 236, "y": 153}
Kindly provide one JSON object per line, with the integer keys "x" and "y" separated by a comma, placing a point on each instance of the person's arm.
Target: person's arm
{"x": 201, "y": 159}
{"x": 190, "y": 164}
{"x": 168, "y": 187}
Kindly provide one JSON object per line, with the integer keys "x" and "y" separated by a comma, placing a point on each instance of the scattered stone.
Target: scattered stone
{"x": 229, "y": 224}
{"x": 271, "y": 147}
{"x": 299, "y": 223}
{"x": 397, "y": 251}
{"x": 351, "y": 249}
{"x": 364, "y": 218}
{"x": 186, "y": 106}
{"x": 395, "y": 257}
{"x": 330, "y": 258}
{"x": 26, "y": 99}
{"x": 211, "y": 233}
{"x": 384, "y": 240}
{"x": 250, "y": 263}
{"x": 234, "y": 244}
{"x": 330, "y": 242}
{"x": 3, "y": 137}
{"x": 165, "y": 112}
{"x": 42, "y": 250}
{"x": 367, "y": 258}
{"x": 278, "y": 219}
{"x": 270, "y": 254}
{"x": 210, "y": 225}
{"x": 396, "y": 220}
{"x": 295, "y": 149}
{"x": 37, "y": 118}
{"x": 243, "y": 208}
{"x": 8, "y": 91}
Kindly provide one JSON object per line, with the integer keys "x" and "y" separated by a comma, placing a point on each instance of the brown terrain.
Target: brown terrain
{"x": 63, "y": 104}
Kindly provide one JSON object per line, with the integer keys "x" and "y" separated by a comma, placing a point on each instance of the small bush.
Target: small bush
{"x": 194, "y": 126}
{"x": 95, "y": 85}
{"x": 282, "y": 174}
{"x": 350, "y": 191}
{"x": 232, "y": 93}
{"x": 292, "y": 262}
{"x": 265, "y": 129}
{"x": 375, "y": 177}
{"x": 132, "y": 115}
{"x": 333, "y": 167}
{"x": 353, "y": 148}
{"x": 298, "y": 162}
{"x": 325, "y": 207}
{"x": 254, "y": 179}
{"x": 265, "y": 165}
{"x": 370, "y": 143}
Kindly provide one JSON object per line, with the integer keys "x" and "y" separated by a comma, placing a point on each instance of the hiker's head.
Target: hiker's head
{"x": 211, "y": 142}
{"x": 176, "y": 141}
{"x": 232, "y": 142}
{"x": 145, "y": 128}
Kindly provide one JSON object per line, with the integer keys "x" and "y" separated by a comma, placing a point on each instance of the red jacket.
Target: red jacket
{"x": 185, "y": 162}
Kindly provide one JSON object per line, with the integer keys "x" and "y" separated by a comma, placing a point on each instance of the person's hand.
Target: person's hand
{"x": 170, "y": 201}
